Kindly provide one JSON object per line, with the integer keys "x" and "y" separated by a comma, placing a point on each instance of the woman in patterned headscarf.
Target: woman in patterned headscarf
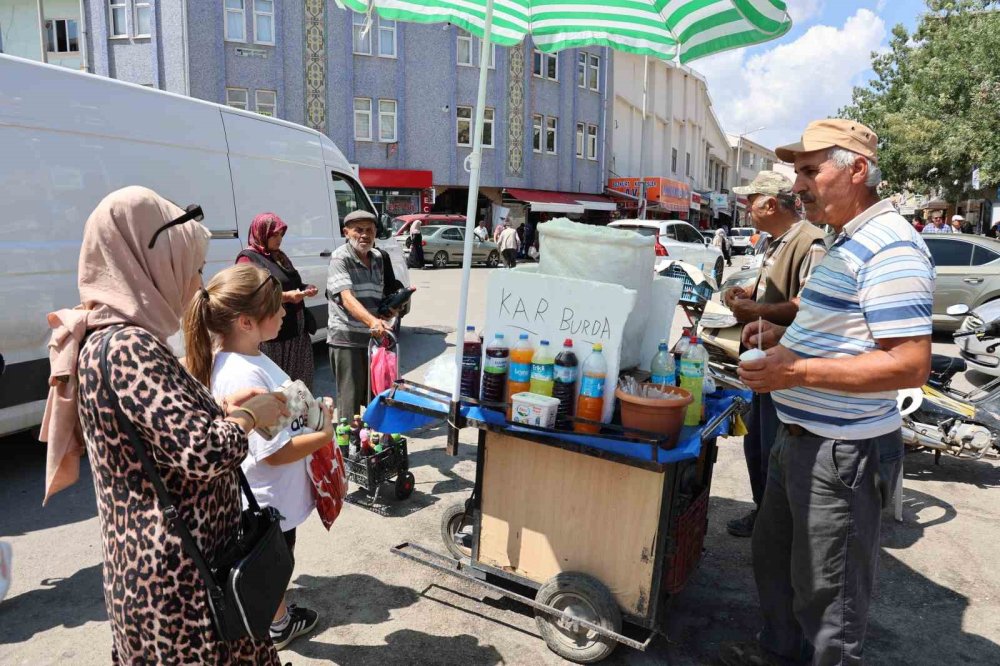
{"x": 292, "y": 349}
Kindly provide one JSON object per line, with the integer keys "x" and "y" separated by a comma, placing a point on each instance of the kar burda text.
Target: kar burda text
{"x": 535, "y": 310}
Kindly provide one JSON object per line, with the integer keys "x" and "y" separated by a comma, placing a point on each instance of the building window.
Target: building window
{"x": 673, "y": 160}
{"x": 768, "y": 165}
{"x": 580, "y": 130}
{"x": 362, "y": 119}
{"x": 467, "y": 48}
{"x": 362, "y": 40}
{"x": 236, "y": 98}
{"x": 687, "y": 164}
{"x": 551, "y": 133}
{"x": 62, "y": 36}
{"x": 594, "y": 74}
{"x": 536, "y": 133}
{"x": 266, "y": 103}
{"x": 118, "y": 17}
{"x": 386, "y": 38}
{"x": 581, "y": 70}
{"x": 465, "y": 126}
{"x": 545, "y": 65}
{"x": 236, "y": 21}
{"x": 387, "y": 120}
{"x": 263, "y": 21}
{"x": 592, "y": 142}
{"x": 464, "y": 45}
{"x": 143, "y": 19}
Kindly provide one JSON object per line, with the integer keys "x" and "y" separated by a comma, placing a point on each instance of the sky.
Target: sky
{"x": 808, "y": 73}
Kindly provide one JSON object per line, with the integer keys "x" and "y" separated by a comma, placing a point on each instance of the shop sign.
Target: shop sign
{"x": 670, "y": 193}
{"x": 695, "y": 200}
{"x": 397, "y": 204}
{"x": 251, "y": 53}
{"x": 719, "y": 201}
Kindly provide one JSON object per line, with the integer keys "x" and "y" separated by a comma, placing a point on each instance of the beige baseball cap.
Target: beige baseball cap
{"x": 768, "y": 183}
{"x": 833, "y": 132}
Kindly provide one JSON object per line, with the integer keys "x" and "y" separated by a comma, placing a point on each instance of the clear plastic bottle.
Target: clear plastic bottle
{"x": 692, "y": 374}
{"x": 662, "y": 369}
{"x": 591, "y": 403}
{"x": 679, "y": 349}
{"x": 495, "y": 369}
{"x": 564, "y": 388}
{"x": 472, "y": 358}
{"x": 542, "y": 370}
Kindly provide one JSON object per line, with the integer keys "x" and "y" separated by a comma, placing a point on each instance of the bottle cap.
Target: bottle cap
{"x": 544, "y": 343}
{"x": 470, "y": 328}
{"x": 523, "y": 336}
{"x": 568, "y": 342}
{"x": 598, "y": 347}
{"x": 498, "y": 336}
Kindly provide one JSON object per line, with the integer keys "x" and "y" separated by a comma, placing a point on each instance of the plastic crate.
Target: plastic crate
{"x": 687, "y": 535}
{"x": 690, "y": 292}
{"x": 370, "y": 471}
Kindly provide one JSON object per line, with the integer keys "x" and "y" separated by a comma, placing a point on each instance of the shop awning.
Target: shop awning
{"x": 543, "y": 201}
{"x": 396, "y": 179}
{"x": 596, "y": 202}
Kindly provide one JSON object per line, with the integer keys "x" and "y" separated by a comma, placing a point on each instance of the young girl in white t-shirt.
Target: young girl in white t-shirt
{"x": 238, "y": 310}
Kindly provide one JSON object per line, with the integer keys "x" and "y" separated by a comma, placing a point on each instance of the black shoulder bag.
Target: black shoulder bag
{"x": 246, "y": 582}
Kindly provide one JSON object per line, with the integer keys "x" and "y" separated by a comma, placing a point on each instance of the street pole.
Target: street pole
{"x": 41, "y": 31}
{"x": 642, "y": 140}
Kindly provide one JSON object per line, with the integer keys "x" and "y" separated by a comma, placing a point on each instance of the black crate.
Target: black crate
{"x": 369, "y": 472}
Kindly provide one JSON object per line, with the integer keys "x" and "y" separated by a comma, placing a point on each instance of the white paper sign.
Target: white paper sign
{"x": 555, "y": 308}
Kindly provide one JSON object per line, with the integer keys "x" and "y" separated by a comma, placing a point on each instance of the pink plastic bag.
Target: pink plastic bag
{"x": 384, "y": 370}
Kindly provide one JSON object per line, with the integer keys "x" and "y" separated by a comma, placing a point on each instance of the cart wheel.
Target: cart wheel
{"x": 404, "y": 485}
{"x": 584, "y": 597}
{"x": 456, "y": 531}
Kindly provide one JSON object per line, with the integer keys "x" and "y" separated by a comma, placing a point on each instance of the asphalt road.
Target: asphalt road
{"x": 938, "y": 598}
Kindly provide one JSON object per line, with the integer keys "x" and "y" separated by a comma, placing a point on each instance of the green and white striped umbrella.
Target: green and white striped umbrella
{"x": 665, "y": 29}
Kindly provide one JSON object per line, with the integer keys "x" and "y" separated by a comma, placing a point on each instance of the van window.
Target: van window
{"x": 350, "y": 196}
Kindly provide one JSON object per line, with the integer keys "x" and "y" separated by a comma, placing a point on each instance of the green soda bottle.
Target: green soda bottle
{"x": 543, "y": 365}
{"x": 692, "y": 373}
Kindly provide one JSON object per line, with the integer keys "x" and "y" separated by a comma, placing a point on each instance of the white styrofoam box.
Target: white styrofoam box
{"x": 603, "y": 254}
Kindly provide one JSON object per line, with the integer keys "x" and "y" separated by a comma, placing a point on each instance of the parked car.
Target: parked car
{"x": 679, "y": 240}
{"x": 78, "y": 137}
{"x": 401, "y": 224}
{"x": 740, "y": 237}
{"x": 981, "y": 355}
{"x": 968, "y": 272}
{"x": 445, "y": 245}
{"x": 750, "y": 267}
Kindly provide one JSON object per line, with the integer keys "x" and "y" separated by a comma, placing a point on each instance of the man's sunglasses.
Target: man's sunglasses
{"x": 193, "y": 212}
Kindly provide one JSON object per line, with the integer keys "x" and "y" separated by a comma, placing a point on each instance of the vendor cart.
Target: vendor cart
{"x": 602, "y": 529}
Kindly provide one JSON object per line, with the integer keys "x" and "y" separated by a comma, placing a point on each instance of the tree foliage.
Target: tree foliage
{"x": 935, "y": 99}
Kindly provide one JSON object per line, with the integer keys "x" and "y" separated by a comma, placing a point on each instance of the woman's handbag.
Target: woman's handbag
{"x": 248, "y": 580}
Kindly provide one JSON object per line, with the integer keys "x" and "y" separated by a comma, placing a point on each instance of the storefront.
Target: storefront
{"x": 398, "y": 191}
{"x": 540, "y": 205}
{"x": 664, "y": 198}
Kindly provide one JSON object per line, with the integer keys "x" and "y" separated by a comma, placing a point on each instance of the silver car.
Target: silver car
{"x": 967, "y": 271}
{"x": 445, "y": 245}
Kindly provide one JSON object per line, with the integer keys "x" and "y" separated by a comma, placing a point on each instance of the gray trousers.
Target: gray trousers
{"x": 762, "y": 429}
{"x": 350, "y": 372}
{"x": 816, "y": 542}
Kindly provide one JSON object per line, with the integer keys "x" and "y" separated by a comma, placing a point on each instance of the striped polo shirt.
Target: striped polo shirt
{"x": 876, "y": 282}
{"x": 347, "y": 271}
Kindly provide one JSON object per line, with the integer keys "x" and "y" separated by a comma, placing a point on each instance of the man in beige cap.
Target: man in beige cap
{"x": 863, "y": 331}
{"x": 795, "y": 250}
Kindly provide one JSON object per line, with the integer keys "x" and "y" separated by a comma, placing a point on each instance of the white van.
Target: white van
{"x": 68, "y": 138}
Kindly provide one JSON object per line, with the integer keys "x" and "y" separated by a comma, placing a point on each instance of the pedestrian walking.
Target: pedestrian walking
{"x": 937, "y": 225}
{"x": 508, "y": 244}
{"x": 292, "y": 348}
{"x": 960, "y": 225}
{"x": 721, "y": 241}
{"x": 480, "y": 232}
{"x": 240, "y": 310}
{"x": 140, "y": 264}
{"x": 863, "y": 331}
{"x": 918, "y": 223}
{"x": 773, "y": 295}
{"x": 354, "y": 287}
{"x": 415, "y": 243}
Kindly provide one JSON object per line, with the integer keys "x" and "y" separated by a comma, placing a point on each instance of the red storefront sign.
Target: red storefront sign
{"x": 669, "y": 194}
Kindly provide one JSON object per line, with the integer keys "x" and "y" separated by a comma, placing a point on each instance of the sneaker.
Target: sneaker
{"x": 742, "y": 527}
{"x": 301, "y": 622}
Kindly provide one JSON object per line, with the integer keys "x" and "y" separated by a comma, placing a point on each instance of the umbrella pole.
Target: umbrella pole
{"x": 475, "y": 161}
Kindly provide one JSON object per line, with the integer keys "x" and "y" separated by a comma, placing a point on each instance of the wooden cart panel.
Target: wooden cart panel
{"x": 546, "y": 510}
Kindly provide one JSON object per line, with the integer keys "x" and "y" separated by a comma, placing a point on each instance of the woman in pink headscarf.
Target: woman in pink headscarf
{"x": 140, "y": 264}
{"x": 292, "y": 349}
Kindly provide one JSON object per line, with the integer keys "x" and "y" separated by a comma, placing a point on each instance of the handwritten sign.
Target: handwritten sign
{"x": 555, "y": 308}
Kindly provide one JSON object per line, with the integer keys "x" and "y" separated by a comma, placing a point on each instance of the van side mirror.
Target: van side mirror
{"x": 384, "y": 226}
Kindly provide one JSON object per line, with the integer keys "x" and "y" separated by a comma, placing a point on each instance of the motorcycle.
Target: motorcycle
{"x": 942, "y": 418}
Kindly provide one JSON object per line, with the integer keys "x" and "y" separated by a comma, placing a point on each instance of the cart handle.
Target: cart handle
{"x": 739, "y": 405}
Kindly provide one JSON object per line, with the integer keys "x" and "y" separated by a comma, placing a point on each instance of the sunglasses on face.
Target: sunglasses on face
{"x": 193, "y": 212}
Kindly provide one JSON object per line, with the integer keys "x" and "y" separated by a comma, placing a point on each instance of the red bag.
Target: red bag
{"x": 329, "y": 482}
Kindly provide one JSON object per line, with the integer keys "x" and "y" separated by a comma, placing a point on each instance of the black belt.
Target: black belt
{"x": 795, "y": 430}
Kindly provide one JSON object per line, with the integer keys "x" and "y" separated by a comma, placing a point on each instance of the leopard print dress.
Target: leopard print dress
{"x": 155, "y": 599}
